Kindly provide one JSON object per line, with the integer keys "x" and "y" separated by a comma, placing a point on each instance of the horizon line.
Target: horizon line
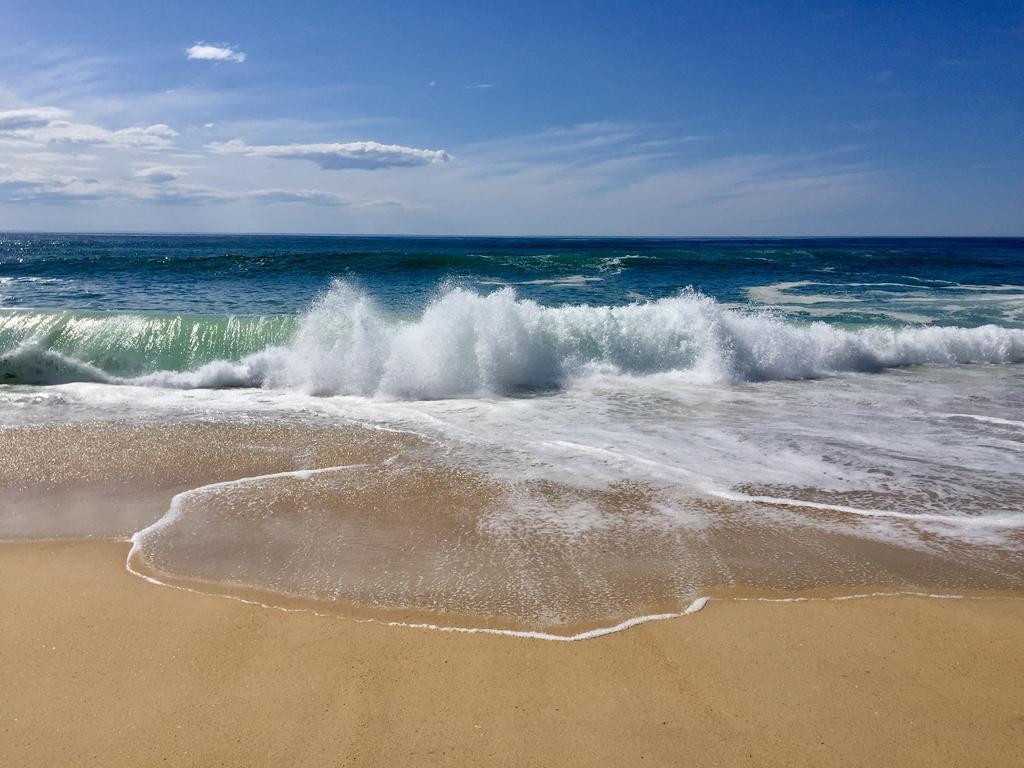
{"x": 255, "y": 233}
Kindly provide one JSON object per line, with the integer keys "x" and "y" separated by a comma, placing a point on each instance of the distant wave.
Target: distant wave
{"x": 467, "y": 344}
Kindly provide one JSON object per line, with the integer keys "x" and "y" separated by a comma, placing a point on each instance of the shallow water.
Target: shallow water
{"x": 356, "y": 519}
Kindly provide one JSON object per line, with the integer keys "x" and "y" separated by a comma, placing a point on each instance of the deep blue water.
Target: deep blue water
{"x": 942, "y": 281}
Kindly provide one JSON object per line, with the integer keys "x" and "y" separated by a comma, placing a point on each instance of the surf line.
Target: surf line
{"x": 697, "y": 605}
{"x": 840, "y": 598}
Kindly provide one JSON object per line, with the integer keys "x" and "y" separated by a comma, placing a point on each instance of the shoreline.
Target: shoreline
{"x": 105, "y": 669}
{"x": 464, "y": 624}
{"x": 457, "y": 623}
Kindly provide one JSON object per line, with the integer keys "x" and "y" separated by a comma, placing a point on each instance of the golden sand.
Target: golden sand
{"x": 100, "y": 668}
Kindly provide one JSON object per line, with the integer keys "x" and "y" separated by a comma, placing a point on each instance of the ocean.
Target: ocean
{"x": 524, "y": 434}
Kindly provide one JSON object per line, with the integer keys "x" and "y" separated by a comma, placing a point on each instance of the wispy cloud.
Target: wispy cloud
{"x": 37, "y": 188}
{"x": 45, "y": 75}
{"x": 632, "y": 149}
{"x": 480, "y": 86}
{"x": 618, "y": 178}
{"x": 184, "y": 194}
{"x": 308, "y": 196}
{"x": 158, "y": 186}
{"x": 28, "y": 119}
{"x": 600, "y": 177}
{"x": 47, "y": 125}
{"x": 360, "y": 155}
{"x": 163, "y": 185}
{"x": 206, "y": 52}
{"x": 159, "y": 174}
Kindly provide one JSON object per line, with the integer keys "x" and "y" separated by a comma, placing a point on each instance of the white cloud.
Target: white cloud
{"x": 310, "y": 196}
{"x": 64, "y": 132}
{"x": 602, "y": 178}
{"x": 172, "y": 193}
{"x": 157, "y": 135}
{"x": 159, "y": 174}
{"x": 28, "y": 119}
{"x": 205, "y": 52}
{"x": 48, "y": 125}
{"x": 480, "y": 86}
{"x": 364, "y": 155}
{"x": 158, "y": 185}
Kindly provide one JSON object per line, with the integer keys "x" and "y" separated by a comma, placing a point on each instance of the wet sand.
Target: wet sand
{"x": 100, "y": 668}
{"x": 372, "y": 522}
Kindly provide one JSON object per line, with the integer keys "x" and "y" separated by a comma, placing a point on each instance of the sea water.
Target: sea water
{"x": 531, "y": 433}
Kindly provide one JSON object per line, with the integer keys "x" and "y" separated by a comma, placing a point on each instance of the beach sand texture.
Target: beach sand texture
{"x": 99, "y": 668}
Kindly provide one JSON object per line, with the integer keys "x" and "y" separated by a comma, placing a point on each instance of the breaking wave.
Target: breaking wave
{"x": 39, "y": 347}
{"x": 467, "y": 344}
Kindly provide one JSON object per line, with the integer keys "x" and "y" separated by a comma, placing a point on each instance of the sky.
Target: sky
{"x": 526, "y": 118}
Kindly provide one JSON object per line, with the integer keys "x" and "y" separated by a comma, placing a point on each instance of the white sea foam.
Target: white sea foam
{"x": 986, "y": 419}
{"x": 909, "y": 303}
{"x": 571, "y": 280}
{"x": 694, "y": 607}
{"x": 996, "y": 519}
{"x": 466, "y": 344}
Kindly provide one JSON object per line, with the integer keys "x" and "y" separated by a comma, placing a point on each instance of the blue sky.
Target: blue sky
{"x": 725, "y": 118}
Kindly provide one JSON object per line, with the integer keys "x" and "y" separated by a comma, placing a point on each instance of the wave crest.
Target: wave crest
{"x": 468, "y": 344}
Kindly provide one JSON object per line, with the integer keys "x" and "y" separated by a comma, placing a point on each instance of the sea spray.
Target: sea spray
{"x": 467, "y": 344}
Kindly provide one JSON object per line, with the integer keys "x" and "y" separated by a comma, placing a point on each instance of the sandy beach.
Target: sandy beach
{"x": 102, "y": 668}
{"x": 511, "y": 384}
